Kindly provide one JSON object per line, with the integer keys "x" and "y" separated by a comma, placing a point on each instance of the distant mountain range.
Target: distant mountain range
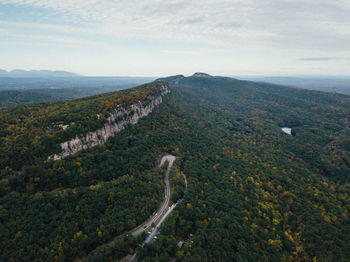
{"x": 39, "y": 86}
{"x": 340, "y": 84}
{"x": 35, "y": 79}
{"x": 36, "y": 73}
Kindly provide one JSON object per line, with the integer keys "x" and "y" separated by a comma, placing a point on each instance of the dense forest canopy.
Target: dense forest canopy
{"x": 254, "y": 193}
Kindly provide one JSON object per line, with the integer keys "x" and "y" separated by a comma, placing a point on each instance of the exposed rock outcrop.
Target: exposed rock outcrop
{"x": 172, "y": 80}
{"x": 202, "y": 75}
{"x": 118, "y": 119}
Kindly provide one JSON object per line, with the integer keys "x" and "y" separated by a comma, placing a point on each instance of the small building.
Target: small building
{"x": 180, "y": 244}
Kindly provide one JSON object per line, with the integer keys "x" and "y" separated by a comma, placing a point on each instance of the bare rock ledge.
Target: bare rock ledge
{"x": 118, "y": 119}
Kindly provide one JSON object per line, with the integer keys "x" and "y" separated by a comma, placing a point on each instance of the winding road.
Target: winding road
{"x": 163, "y": 208}
{"x": 164, "y": 205}
{"x": 162, "y": 212}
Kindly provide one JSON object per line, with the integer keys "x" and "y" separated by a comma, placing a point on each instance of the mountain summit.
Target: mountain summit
{"x": 202, "y": 75}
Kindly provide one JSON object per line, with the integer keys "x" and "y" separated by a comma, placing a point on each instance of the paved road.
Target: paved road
{"x": 155, "y": 231}
{"x": 162, "y": 209}
{"x": 151, "y": 237}
{"x": 164, "y": 205}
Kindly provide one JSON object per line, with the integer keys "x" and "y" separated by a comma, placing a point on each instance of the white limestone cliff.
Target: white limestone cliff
{"x": 118, "y": 119}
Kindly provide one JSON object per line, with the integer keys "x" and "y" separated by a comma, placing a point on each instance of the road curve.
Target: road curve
{"x": 162, "y": 209}
{"x": 152, "y": 236}
{"x": 164, "y": 205}
{"x": 170, "y": 209}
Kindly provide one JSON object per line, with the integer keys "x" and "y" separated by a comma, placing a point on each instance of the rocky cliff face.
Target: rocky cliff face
{"x": 118, "y": 119}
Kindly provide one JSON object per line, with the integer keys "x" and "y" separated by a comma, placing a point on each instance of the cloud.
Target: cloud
{"x": 250, "y": 33}
{"x": 190, "y": 21}
{"x": 179, "y": 52}
{"x": 319, "y": 58}
{"x": 310, "y": 24}
{"x": 313, "y": 59}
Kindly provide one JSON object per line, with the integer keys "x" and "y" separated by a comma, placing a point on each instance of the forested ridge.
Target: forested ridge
{"x": 254, "y": 193}
{"x": 31, "y": 133}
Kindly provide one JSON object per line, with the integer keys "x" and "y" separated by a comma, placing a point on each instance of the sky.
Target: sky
{"x": 163, "y": 37}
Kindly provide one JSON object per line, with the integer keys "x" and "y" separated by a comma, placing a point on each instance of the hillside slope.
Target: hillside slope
{"x": 33, "y": 133}
{"x": 254, "y": 193}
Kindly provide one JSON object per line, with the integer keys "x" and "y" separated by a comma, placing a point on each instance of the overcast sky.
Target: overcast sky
{"x": 161, "y": 37}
